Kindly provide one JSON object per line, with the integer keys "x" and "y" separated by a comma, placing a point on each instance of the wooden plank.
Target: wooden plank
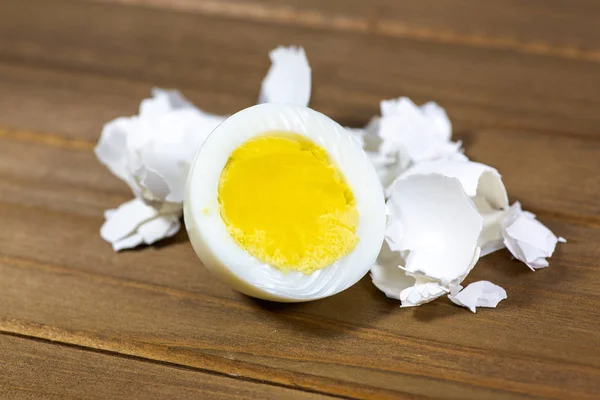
{"x": 493, "y": 24}
{"x": 352, "y": 71}
{"x": 42, "y": 370}
{"x": 109, "y": 302}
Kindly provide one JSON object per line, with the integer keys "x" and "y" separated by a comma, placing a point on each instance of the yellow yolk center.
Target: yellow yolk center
{"x": 286, "y": 203}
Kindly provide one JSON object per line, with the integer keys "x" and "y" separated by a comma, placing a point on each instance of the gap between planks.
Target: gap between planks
{"x": 215, "y": 365}
{"x": 316, "y": 19}
{"x": 161, "y": 362}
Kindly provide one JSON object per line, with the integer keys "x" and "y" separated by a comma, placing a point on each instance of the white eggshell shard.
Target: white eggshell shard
{"x": 388, "y": 274}
{"x": 479, "y": 294}
{"x": 485, "y": 187}
{"x": 288, "y": 81}
{"x": 218, "y": 250}
{"x": 423, "y": 291}
{"x": 406, "y": 134}
{"x": 440, "y": 227}
{"x": 476, "y": 179}
{"x": 415, "y": 133}
{"x": 527, "y": 238}
{"x": 135, "y": 222}
{"x": 152, "y": 151}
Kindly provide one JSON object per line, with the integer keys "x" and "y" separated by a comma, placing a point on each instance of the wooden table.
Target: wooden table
{"x": 521, "y": 82}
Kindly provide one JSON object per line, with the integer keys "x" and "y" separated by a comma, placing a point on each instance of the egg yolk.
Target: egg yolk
{"x": 287, "y": 204}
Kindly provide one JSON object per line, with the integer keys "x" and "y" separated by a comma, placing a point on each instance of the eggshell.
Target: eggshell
{"x": 527, "y": 238}
{"x": 476, "y": 179}
{"x": 406, "y": 134}
{"x": 440, "y": 226}
{"x": 135, "y": 222}
{"x": 479, "y": 294}
{"x": 430, "y": 241}
{"x": 423, "y": 291}
{"x": 288, "y": 81}
{"x": 416, "y": 134}
{"x": 485, "y": 187}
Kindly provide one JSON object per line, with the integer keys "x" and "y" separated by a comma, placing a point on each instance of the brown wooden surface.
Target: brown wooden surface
{"x": 43, "y": 370}
{"x": 520, "y": 81}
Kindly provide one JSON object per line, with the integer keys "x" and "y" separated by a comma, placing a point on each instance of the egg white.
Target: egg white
{"x": 224, "y": 257}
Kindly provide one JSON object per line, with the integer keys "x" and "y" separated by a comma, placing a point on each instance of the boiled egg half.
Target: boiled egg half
{"x": 283, "y": 204}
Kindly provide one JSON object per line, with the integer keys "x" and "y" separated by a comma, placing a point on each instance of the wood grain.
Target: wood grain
{"x": 154, "y": 322}
{"x": 494, "y": 24}
{"x": 353, "y": 70}
{"x": 44, "y": 370}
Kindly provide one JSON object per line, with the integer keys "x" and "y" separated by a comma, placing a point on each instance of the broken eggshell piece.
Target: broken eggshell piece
{"x": 483, "y": 184}
{"x": 389, "y": 276}
{"x": 479, "y": 294}
{"x": 211, "y": 236}
{"x": 288, "y": 81}
{"x": 440, "y": 226}
{"x": 431, "y": 239}
{"x": 135, "y": 222}
{"x": 152, "y": 151}
{"x": 477, "y": 180}
{"x": 406, "y": 134}
{"x": 415, "y": 134}
{"x": 423, "y": 291}
{"x": 527, "y": 238}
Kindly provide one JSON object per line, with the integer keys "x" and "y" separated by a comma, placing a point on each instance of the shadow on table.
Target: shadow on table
{"x": 180, "y": 237}
{"x": 360, "y": 306}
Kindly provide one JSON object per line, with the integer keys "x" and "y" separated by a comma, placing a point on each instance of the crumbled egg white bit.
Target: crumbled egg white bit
{"x": 409, "y": 146}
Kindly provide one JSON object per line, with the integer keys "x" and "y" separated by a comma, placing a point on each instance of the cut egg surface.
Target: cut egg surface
{"x": 283, "y": 204}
